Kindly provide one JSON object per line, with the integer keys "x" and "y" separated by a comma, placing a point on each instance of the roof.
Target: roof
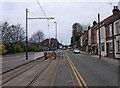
{"x": 111, "y": 19}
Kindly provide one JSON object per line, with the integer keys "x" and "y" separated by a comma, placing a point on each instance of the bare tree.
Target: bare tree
{"x": 37, "y": 37}
{"x": 77, "y": 32}
{"x": 18, "y": 35}
{"x": 77, "y": 28}
{"x": 12, "y": 33}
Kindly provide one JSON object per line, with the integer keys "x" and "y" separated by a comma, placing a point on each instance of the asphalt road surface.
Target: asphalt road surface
{"x": 95, "y": 72}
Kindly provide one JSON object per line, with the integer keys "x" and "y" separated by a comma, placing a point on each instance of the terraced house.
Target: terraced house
{"x": 109, "y": 36}
{"x": 112, "y": 33}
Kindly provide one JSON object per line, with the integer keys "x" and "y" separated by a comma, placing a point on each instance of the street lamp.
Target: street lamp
{"x": 56, "y": 33}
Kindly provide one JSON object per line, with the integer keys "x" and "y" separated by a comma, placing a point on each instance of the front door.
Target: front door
{"x": 107, "y": 49}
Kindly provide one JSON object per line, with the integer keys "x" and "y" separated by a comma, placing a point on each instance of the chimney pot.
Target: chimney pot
{"x": 94, "y": 23}
{"x": 116, "y": 11}
{"x": 114, "y": 7}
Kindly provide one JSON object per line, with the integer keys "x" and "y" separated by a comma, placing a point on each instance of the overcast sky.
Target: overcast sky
{"x": 66, "y": 13}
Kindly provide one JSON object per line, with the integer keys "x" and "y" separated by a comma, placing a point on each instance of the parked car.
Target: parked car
{"x": 69, "y": 47}
{"x": 76, "y": 50}
{"x": 64, "y": 48}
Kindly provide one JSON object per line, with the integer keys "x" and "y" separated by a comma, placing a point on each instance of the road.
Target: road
{"x": 82, "y": 70}
{"x": 94, "y": 71}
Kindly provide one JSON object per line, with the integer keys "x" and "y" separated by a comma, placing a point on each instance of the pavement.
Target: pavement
{"x": 107, "y": 59}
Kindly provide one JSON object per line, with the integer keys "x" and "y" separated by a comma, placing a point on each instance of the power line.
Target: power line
{"x": 47, "y": 19}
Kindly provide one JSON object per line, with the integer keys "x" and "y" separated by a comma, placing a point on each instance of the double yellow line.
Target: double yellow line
{"x": 79, "y": 78}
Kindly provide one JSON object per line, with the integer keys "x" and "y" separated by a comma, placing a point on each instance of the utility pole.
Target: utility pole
{"x": 26, "y": 34}
{"x": 27, "y": 18}
{"x": 56, "y": 33}
{"x": 99, "y": 37}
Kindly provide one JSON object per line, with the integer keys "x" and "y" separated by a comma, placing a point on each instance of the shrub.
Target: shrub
{"x": 33, "y": 48}
{"x": 2, "y": 49}
{"x": 18, "y": 48}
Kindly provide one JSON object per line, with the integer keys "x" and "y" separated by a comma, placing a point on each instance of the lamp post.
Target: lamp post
{"x": 56, "y": 33}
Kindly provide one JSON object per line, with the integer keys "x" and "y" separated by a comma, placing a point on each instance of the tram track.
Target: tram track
{"x": 29, "y": 76}
{"x": 37, "y": 76}
{"x": 19, "y": 66}
{"x": 24, "y": 68}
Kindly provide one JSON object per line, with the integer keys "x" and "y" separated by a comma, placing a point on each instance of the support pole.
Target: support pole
{"x": 26, "y": 34}
{"x": 99, "y": 37}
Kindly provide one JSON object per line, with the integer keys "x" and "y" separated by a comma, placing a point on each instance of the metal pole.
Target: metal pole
{"x": 56, "y": 30}
{"x": 56, "y": 33}
{"x": 99, "y": 37}
{"x": 26, "y": 34}
{"x": 49, "y": 36}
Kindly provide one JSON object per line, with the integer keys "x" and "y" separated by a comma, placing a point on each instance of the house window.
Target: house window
{"x": 111, "y": 47}
{"x": 117, "y": 27}
{"x": 118, "y": 44}
{"x": 110, "y": 30}
{"x": 103, "y": 46}
{"x": 102, "y": 33}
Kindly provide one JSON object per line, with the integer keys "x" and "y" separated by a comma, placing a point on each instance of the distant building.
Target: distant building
{"x": 50, "y": 46}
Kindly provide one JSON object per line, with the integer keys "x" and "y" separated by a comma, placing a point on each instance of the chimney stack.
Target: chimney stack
{"x": 116, "y": 11}
{"x": 94, "y": 23}
{"x": 88, "y": 27}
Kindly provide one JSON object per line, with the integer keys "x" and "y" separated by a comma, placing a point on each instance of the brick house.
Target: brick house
{"x": 86, "y": 40}
{"x": 102, "y": 38}
{"x": 117, "y": 37}
{"x": 94, "y": 45}
{"x": 109, "y": 36}
{"x": 89, "y": 38}
{"x": 109, "y": 24}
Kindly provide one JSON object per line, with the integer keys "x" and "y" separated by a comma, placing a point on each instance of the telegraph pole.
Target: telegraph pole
{"x": 27, "y": 18}
{"x": 99, "y": 37}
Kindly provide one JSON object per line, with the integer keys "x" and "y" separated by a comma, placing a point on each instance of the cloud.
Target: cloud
{"x": 66, "y": 13}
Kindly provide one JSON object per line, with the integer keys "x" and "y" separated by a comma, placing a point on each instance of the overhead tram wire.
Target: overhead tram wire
{"x": 41, "y": 8}
{"x": 46, "y": 17}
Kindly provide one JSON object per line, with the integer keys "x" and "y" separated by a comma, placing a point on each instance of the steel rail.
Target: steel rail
{"x": 31, "y": 66}
{"x": 37, "y": 76}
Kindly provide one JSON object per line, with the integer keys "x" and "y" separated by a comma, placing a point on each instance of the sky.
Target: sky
{"x": 66, "y": 13}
